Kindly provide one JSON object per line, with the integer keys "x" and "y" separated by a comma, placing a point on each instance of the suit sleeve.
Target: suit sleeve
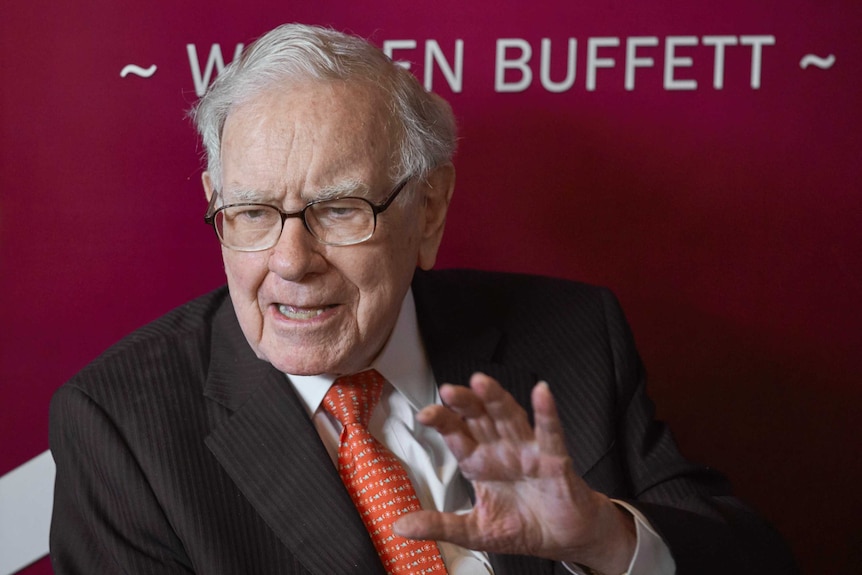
{"x": 706, "y": 528}
{"x": 106, "y": 517}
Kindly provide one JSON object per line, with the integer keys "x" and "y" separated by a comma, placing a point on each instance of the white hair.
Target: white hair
{"x": 424, "y": 123}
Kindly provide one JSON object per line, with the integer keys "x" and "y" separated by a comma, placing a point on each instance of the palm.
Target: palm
{"x": 528, "y": 500}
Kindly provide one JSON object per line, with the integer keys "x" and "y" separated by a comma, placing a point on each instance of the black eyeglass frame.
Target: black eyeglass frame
{"x": 212, "y": 212}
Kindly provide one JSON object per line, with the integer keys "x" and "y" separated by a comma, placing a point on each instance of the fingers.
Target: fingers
{"x": 472, "y": 409}
{"x": 452, "y": 427}
{"x": 485, "y": 412}
{"x": 548, "y": 429}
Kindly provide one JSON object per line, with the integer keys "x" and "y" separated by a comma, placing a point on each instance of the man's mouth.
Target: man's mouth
{"x": 301, "y": 313}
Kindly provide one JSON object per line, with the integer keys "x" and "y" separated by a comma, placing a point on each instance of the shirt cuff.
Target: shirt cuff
{"x": 651, "y": 557}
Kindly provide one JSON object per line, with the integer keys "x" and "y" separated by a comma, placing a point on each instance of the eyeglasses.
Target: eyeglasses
{"x": 249, "y": 227}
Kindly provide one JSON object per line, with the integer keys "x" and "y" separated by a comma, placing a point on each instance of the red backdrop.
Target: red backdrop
{"x": 697, "y": 163}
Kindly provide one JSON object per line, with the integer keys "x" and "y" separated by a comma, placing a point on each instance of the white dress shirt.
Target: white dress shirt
{"x": 432, "y": 468}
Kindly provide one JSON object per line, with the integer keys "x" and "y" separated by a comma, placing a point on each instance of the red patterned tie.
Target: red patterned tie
{"x": 376, "y": 480}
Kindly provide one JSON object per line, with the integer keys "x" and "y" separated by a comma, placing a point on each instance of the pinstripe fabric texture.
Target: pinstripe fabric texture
{"x": 376, "y": 480}
{"x": 179, "y": 451}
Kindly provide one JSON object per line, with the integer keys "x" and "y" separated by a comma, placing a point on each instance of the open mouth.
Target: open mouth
{"x": 302, "y": 313}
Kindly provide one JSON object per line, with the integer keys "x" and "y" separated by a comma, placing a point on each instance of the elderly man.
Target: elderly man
{"x": 313, "y": 417}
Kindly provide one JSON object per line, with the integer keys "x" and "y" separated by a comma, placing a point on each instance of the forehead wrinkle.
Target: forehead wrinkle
{"x": 338, "y": 146}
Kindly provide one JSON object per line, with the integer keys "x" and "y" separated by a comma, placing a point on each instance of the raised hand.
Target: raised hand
{"x": 529, "y": 500}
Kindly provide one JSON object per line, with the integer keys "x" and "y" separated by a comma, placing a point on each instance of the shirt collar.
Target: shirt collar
{"x": 402, "y": 361}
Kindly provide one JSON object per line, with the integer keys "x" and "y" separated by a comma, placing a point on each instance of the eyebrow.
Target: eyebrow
{"x": 246, "y": 196}
{"x": 349, "y": 187}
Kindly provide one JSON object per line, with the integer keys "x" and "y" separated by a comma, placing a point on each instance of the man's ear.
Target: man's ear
{"x": 206, "y": 180}
{"x": 437, "y": 191}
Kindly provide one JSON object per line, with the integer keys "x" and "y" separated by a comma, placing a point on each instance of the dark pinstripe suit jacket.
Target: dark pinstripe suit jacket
{"x": 179, "y": 451}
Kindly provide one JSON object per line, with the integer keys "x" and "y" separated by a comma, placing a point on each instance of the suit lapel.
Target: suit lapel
{"x": 272, "y": 451}
{"x": 459, "y": 343}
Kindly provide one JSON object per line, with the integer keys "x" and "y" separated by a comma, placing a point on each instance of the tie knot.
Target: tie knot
{"x": 352, "y": 398}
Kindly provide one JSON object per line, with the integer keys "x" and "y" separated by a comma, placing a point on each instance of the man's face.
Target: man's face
{"x": 305, "y": 307}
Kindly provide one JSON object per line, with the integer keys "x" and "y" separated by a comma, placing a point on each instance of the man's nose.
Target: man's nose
{"x": 297, "y": 252}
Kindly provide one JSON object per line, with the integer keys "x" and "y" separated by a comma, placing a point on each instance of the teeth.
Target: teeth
{"x": 299, "y": 312}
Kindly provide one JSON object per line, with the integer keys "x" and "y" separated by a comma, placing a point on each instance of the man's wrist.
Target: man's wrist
{"x": 652, "y": 556}
{"x": 619, "y": 544}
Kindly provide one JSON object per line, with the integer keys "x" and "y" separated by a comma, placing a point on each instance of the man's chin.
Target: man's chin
{"x": 294, "y": 367}
{"x": 299, "y": 356}
{"x": 304, "y": 361}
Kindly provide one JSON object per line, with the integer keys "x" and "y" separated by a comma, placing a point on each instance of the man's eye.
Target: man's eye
{"x": 346, "y": 210}
{"x": 253, "y": 213}
{"x": 256, "y": 216}
{"x": 339, "y": 212}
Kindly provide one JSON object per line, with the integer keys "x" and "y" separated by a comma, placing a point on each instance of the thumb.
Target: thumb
{"x": 434, "y": 525}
